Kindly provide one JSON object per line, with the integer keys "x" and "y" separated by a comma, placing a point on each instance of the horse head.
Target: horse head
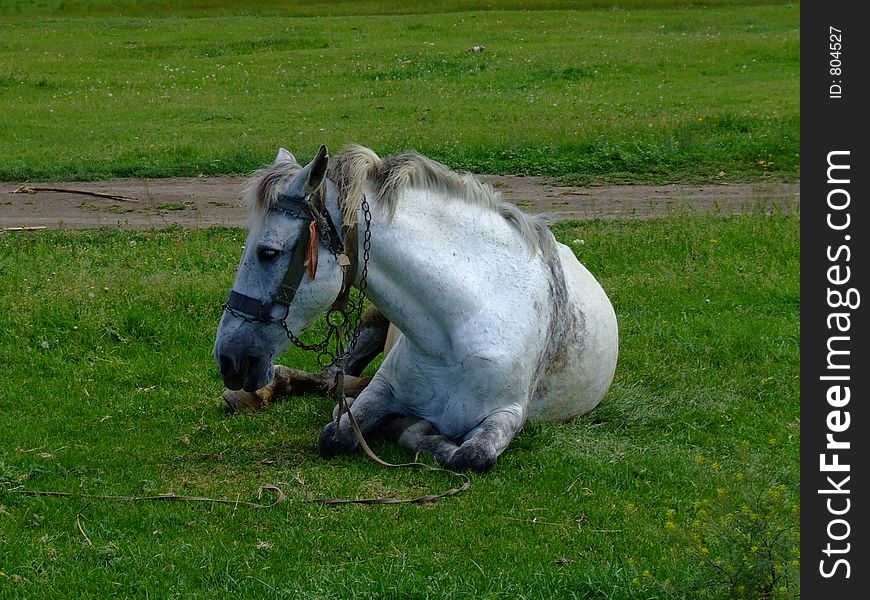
{"x": 290, "y": 271}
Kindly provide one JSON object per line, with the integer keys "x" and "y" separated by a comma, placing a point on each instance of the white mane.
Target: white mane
{"x": 355, "y": 166}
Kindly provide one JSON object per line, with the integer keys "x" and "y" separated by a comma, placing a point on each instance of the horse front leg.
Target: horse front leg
{"x": 373, "y": 408}
{"x": 371, "y": 341}
{"x": 289, "y": 382}
{"x": 481, "y": 446}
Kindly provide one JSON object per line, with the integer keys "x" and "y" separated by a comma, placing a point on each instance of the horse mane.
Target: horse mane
{"x": 356, "y": 166}
{"x": 263, "y": 187}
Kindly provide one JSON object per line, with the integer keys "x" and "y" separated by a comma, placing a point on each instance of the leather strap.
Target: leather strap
{"x": 292, "y": 278}
{"x": 342, "y": 244}
{"x": 250, "y": 306}
{"x": 349, "y": 268}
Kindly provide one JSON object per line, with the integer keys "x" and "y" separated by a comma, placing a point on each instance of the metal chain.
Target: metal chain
{"x": 242, "y": 316}
{"x": 363, "y": 282}
{"x": 325, "y": 358}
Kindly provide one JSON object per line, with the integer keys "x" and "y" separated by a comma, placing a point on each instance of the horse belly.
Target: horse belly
{"x": 582, "y": 369}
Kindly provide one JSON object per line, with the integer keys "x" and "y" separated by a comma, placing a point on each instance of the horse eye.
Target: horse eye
{"x": 267, "y": 254}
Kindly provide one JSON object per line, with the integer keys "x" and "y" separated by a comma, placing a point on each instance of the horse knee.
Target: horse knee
{"x": 438, "y": 446}
{"x": 471, "y": 456}
{"x": 331, "y": 445}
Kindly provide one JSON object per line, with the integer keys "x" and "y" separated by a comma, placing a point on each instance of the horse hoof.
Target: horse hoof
{"x": 329, "y": 446}
{"x": 470, "y": 457}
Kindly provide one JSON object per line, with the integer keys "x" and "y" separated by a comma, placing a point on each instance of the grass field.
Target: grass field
{"x": 648, "y": 92}
{"x": 682, "y": 484}
{"x": 303, "y": 8}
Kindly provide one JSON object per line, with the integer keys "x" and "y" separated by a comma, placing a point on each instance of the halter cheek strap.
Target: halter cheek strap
{"x": 293, "y": 277}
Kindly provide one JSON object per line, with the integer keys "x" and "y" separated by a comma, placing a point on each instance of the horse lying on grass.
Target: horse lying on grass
{"x": 498, "y": 322}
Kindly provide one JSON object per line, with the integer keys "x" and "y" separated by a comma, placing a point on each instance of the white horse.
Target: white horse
{"x": 499, "y": 323}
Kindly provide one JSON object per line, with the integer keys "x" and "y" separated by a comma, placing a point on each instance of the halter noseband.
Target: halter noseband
{"x": 319, "y": 220}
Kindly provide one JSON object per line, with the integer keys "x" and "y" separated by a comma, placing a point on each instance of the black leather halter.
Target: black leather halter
{"x": 305, "y": 208}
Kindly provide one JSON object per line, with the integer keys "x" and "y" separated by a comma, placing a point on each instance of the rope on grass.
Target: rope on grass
{"x": 279, "y": 497}
{"x": 344, "y": 409}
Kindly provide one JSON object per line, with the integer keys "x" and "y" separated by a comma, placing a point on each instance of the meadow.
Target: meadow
{"x": 649, "y": 93}
{"x": 683, "y": 483}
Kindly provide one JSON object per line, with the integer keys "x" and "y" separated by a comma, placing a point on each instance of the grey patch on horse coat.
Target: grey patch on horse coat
{"x": 564, "y": 329}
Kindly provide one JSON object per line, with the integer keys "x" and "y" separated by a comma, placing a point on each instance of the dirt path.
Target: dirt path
{"x": 204, "y": 202}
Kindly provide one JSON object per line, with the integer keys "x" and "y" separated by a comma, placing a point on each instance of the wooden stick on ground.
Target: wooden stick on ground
{"x": 33, "y": 228}
{"x": 30, "y": 189}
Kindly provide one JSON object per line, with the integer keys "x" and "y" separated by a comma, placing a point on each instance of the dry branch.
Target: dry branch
{"x": 33, "y": 228}
{"x": 30, "y": 189}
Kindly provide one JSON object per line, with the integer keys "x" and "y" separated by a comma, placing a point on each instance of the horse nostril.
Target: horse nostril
{"x": 249, "y": 373}
{"x": 240, "y": 370}
{"x": 227, "y": 365}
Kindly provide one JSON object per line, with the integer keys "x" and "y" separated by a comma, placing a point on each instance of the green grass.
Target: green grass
{"x": 683, "y": 483}
{"x": 303, "y": 8}
{"x": 658, "y": 94}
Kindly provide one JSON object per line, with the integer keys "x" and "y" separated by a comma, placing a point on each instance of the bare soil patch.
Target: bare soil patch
{"x": 214, "y": 201}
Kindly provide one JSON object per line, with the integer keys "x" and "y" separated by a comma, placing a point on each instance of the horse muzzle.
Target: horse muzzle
{"x": 243, "y": 362}
{"x": 248, "y": 372}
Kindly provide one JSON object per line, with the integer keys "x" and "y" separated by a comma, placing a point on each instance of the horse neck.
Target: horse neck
{"x": 437, "y": 263}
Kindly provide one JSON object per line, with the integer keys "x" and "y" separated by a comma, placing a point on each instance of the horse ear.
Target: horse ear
{"x": 285, "y": 155}
{"x": 311, "y": 175}
{"x": 318, "y": 168}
